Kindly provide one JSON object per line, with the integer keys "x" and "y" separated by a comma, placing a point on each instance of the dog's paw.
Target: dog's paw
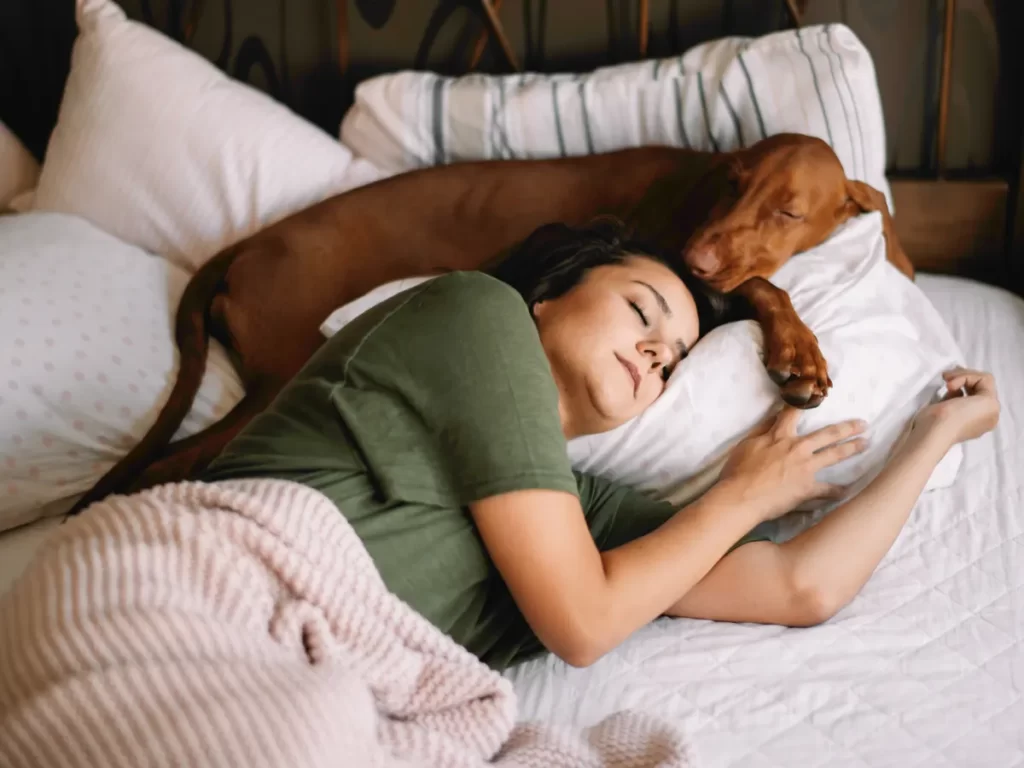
{"x": 794, "y": 362}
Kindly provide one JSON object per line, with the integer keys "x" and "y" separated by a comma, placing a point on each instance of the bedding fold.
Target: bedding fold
{"x": 244, "y": 623}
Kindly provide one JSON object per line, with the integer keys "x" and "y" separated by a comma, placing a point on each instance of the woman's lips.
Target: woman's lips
{"x": 632, "y": 371}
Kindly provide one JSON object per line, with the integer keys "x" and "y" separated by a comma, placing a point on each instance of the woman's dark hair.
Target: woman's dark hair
{"x": 556, "y": 257}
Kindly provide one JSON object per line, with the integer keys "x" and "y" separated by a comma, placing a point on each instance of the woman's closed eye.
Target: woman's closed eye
{"x": 640, "y": 313}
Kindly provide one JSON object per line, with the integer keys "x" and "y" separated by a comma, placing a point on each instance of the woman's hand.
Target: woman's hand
{"x": 969, "y": 409}
{"x": 775, "y": 468}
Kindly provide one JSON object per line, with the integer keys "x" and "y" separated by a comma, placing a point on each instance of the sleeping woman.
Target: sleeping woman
{"x": 437, "y": 423}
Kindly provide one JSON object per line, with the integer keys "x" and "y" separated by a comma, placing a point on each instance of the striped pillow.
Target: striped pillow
{"x": 720, "y": 95}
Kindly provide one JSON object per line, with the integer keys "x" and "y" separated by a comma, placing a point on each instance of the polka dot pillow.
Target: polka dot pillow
{"x": 87, "y": 358}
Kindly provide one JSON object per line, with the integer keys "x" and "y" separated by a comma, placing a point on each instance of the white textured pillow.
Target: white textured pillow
{"x": 885, "y": 344}
{"x": 726, "y": 93}
{"x": 884, "y": 341}
{"x": 87, "y": 358}
{"x": 19, "y": 171}
{"x": 159, "y": 148}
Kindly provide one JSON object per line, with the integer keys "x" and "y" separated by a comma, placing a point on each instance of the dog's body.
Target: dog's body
{"x": 265, "y": 297}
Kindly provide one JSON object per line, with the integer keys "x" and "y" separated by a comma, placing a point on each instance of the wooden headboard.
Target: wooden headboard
{"x": 949, "y": 72}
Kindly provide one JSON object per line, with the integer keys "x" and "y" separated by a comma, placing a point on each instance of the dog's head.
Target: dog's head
{"x": 765, "y": 203}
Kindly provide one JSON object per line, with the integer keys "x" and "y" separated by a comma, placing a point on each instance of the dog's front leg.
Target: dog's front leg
{"x": 792, "y": 355}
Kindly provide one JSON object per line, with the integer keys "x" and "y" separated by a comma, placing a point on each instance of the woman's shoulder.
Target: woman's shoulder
{"x": 464, "y": 306}
{"x": 475, "y": 291}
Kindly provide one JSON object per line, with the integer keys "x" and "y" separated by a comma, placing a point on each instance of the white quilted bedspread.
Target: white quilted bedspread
{"x": 924, "y": 668}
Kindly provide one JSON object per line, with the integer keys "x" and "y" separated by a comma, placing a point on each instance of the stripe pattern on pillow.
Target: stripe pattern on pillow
{"x": 724, "y": 94}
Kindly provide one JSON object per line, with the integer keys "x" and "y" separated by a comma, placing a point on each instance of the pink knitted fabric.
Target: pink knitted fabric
{"x": 243, "y": 623}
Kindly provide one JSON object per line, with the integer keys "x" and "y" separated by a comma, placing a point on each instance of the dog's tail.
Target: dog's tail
{"x": 191, "y": 334}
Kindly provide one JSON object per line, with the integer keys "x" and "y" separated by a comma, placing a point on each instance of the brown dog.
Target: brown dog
{"x": 733, "y": 218}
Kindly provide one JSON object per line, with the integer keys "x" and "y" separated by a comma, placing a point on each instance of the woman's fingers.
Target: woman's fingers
{"x": 972, "y": 381}
{"x": 830, "y": 492}
{"x": 962, "y": 381}
{"x": 766, "y": 425}
{"x": 835, "y": 433}
{"x": 833, "y": 454}
{"x": 786, "y": 421}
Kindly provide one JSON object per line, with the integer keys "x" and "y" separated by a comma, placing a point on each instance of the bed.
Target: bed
{"x": 926, "y": 666}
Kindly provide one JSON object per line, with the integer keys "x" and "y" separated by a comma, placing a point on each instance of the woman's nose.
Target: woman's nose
{"x": 657, "y": 353}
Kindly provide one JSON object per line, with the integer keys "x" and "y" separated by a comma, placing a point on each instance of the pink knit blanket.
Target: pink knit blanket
{"x": 244, "y": 624}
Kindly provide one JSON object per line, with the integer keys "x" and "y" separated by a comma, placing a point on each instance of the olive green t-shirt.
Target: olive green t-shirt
{"x": 434, "y": 399}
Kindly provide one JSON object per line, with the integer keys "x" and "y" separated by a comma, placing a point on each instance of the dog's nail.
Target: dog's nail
{"x": 780, "y": 377}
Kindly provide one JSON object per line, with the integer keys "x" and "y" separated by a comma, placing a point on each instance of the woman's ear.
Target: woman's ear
{"x": 863, "y": 198}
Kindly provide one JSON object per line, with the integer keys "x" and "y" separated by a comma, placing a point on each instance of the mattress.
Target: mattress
{"x": 924, "y": 668}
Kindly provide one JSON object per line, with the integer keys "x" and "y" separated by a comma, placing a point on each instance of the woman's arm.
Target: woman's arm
{"x": 581, "y": 603}
{"x": 809, "y": 578}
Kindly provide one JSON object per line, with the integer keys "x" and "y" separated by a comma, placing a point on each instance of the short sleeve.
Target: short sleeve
{"x": 449, "y": 397}
{"x": 617, "y": 514}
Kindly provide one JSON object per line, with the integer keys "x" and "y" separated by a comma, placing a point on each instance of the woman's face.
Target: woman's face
{"x": 613, "y": 340}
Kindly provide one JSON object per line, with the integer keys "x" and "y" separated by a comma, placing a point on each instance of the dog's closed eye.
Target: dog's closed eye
{"x": 789, "y": 214}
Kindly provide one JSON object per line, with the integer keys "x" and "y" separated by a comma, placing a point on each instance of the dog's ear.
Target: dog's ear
{"x": 863, "y": 198}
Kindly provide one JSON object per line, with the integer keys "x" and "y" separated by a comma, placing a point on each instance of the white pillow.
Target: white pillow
{"x": 886, "y": 347}
{"x": 19, "y": 171}
{"x": 87, "y": 358}
{"x": 818, "y": 80}
{"x": 159, "y": 148}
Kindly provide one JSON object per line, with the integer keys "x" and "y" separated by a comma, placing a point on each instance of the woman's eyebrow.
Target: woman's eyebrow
{"x": 657, "y": 297}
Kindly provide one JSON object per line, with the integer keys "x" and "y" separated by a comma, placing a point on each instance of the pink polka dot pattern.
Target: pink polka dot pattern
{"x": 88, "y": 353}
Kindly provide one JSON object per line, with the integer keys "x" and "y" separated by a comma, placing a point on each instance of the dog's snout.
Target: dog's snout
{"x": 704, "y": 259}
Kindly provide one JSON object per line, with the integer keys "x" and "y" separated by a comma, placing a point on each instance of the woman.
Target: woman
{"x": 437, "y": 422}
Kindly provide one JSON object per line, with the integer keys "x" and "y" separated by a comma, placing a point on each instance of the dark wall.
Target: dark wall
{"x": 288, "y": 47}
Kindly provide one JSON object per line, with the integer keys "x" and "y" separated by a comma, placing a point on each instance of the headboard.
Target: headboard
{"x": 949, "y": 72}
